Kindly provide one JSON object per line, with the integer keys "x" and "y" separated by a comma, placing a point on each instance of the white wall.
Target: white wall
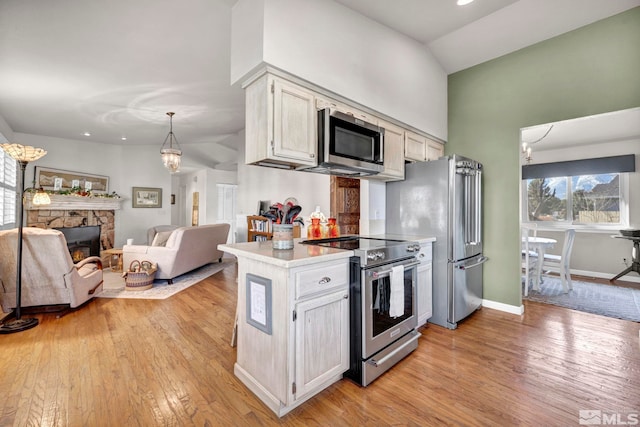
{"x": 596, "y": 251}
{"x": 6, "y": 133}
{"x": 126, "y": 167}
{"x": 257, "y": 183}
{"x": 335, "y": 48}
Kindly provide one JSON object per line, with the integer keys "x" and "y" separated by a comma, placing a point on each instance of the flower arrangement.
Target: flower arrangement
{"x": 76, "y": 191}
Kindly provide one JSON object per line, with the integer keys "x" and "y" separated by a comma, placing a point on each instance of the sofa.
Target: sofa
{"x": 157, "y": 230}
{"x": 179, "y": 251}
{"x": 49, "y": 276}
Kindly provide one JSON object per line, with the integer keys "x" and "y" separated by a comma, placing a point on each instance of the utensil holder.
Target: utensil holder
{"x": 282, "y": 236}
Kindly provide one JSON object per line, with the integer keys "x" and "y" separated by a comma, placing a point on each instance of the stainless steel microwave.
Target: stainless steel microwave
{"x": 348, "y": 146}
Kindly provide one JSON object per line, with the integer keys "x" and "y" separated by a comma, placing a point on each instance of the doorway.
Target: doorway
{"x": 345, "y": 204}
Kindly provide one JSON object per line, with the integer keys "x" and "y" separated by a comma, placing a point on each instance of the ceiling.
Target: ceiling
{"x": 114, "y": 69}
{"x": 607, "y": 127}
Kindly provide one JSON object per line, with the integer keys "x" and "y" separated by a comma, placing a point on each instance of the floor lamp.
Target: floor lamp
{"x": 24, "y": 155}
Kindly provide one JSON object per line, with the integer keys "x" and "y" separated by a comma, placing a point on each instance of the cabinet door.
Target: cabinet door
{"x": 415, "y": 147}
{"x": 294, "y": 124}
{"x": 435, "y": 150}
{"x": 322, "y": 340}
{"x": 393, "y": 151}
{"x": 322, "y": 103}
{"x": 424, "y": 293}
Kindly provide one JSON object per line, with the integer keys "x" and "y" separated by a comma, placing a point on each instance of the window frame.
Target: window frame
{"x": 6, "y": 186}
{"x": 568, "y": 222}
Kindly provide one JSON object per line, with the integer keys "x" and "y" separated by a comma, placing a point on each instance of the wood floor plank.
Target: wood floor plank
{"x": 168, "y": 362}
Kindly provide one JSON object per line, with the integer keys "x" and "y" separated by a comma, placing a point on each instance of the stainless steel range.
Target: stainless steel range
{"x": 383, "y": 303}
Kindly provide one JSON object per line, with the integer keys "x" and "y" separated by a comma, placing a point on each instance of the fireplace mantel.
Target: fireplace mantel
{"x": 69, "y": 202}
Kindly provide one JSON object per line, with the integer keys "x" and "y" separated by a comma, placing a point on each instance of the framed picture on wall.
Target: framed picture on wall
{"x": 62, "y": 180}
{"x": 147, "y": 197}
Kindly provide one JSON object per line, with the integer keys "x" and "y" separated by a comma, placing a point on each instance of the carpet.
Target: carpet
{"x": 605, "y": 300}
{"x": 114, "y": 286}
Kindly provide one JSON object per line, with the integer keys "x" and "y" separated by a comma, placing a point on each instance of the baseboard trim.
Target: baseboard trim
{"x": 495, "y": 305}
{"x": 627, "y": 278}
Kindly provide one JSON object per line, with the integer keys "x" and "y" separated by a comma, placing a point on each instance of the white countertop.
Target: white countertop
{"x": 302, "y": 254}
{"x": 298, "y": 256}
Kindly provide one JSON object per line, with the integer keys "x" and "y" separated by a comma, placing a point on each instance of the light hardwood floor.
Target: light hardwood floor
{"x": 119, "y": 362}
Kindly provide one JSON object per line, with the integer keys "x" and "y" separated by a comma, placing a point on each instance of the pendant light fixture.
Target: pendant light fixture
{"x": 171, "y": 156}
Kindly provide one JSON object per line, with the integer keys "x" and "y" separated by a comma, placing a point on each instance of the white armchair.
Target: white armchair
{"x": 49, "y": 276}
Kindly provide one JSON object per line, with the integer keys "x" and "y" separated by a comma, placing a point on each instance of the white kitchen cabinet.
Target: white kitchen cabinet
{"x": 420, "y": 148}
{"x": 424, "y": 291}
{"x": 306, "y": 349}
{"x": 415, "y": 147}
{"x": 393, "y": 152}
{"x": 435, "y": 150}
{"x": 322, "y": 341}
{"x": 280, "y": 123}
{"x": 322, "y": 103}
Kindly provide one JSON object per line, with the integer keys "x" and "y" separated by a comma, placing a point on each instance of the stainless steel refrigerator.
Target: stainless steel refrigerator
{"x": 443, "y": 199}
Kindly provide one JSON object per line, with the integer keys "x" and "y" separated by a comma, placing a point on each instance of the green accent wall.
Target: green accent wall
{"x": 591, "y": 70}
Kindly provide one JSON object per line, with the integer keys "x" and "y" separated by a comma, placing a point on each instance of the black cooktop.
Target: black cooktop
{"x": 353, "y": 242}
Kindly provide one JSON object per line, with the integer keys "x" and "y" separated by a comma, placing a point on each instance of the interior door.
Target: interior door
{"x": 345, "y": 204}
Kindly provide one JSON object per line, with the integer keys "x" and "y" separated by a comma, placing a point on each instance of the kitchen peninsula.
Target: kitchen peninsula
{"x": 293, "y": 316}
{"x": 292, "y": 320}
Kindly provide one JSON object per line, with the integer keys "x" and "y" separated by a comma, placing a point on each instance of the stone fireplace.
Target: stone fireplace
{"x": 69, "y": 212}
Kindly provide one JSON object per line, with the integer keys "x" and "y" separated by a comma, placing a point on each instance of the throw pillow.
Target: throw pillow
{"x": 161, "y": 238}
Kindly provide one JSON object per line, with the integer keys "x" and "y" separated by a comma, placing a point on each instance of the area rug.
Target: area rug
{"x": 606, "y": 300}
{"x": 114, "y": 285}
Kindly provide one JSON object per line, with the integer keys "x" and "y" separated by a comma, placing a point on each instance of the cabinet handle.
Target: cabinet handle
{"x": 346, "y": 297}
{"x": 324, "y": 280}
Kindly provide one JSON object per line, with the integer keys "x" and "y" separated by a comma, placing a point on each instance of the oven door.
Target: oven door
{"x": 381, "y": 323}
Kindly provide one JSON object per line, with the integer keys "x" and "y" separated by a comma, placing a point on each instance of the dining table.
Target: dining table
{"x": 539, "y": 245}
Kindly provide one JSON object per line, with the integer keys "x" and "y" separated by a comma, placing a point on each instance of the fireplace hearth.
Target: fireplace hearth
{"x": 82, "y": 241}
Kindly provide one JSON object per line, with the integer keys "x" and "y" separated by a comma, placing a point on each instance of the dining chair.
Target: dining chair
{"x": 529, "y": 257}
{"x": 561, "y": 262}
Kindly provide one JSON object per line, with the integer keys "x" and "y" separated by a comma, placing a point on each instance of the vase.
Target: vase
{"x": 315, "y": 229}
{"x": 332, "y": 228}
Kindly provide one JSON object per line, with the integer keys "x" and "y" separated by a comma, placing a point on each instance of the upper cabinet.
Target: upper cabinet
{"x": 280, "y": 124}
{"x": 322, "y": 103}
{"x": 281, "y": 127}
{"x": 420, "y": 148}
{"x": 393, "y": 152}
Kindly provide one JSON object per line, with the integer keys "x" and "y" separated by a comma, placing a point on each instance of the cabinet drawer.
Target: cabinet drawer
{"x": 319, "y": 280}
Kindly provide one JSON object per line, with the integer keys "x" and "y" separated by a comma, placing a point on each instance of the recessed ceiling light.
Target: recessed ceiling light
{"x": 464, "y": 2}
{"x": 87, "y": 134}
{"x": 124, "y": 138}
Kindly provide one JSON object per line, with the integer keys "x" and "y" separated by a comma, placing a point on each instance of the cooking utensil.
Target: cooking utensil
{"x": 292, "y": 213}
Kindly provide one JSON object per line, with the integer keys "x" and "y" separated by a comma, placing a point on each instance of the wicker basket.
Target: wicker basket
{"x": 140, "y": 275}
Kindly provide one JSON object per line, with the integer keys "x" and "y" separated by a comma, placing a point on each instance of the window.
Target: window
{"x": 8, "y": 173}
{"x": 588, "y": 193}
{"x": 593, "y": 201}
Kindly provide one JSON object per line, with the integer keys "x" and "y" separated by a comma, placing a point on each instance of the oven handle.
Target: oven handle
{"x": 377, "y": 363}
{"x": 378, "y": 274}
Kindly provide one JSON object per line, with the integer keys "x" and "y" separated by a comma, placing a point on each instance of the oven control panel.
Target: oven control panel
{"x": 376, "y": 255}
